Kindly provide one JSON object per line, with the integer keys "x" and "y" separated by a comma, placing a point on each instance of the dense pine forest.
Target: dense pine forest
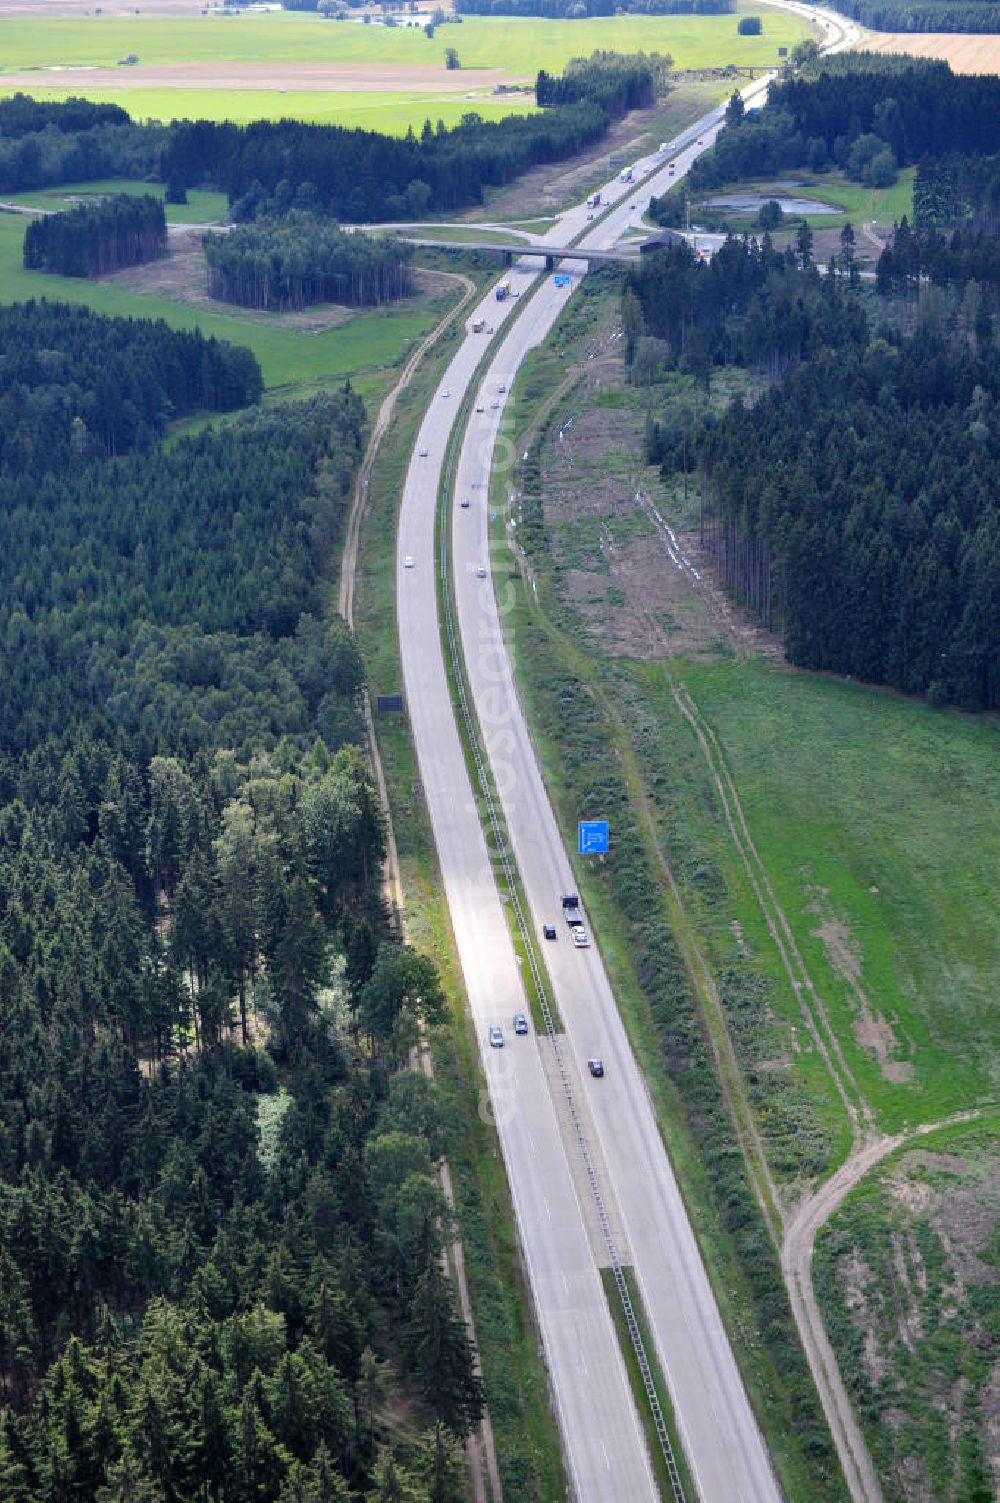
{"x": 621, "y": 83}
{"x": 75, "y": 387}
{"x": 352, "y": 175}
{"x": 92, "y": 240}
{"x": 964, "y": 258}
{"x": 358, "y": 175}
{"x": 220, "y": 1225}
{"x": 862, "y": 113}
{"x": 858, "y": 504}
{"x": 574, "y": 10}
{"x": 958, "y": 189}
{"x": 922, "y": 15}
{"x": 855, "y": 506}
{"x": 300, "y": 259}
{"x": 73, "y": 141}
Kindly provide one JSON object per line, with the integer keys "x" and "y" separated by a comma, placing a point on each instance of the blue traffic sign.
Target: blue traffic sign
{"x": 593, "y": 836}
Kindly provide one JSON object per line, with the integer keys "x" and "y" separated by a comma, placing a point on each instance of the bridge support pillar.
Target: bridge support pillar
{"x": 508, "y": 258}
{"x": 550, "y": 262}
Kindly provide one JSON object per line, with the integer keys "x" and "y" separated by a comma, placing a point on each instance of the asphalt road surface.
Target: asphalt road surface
{"x": 561, "y": 1244}
{"x": 720, "y": 1435}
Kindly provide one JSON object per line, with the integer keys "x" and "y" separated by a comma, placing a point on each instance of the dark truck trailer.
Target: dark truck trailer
{"x": 571, "y": 910}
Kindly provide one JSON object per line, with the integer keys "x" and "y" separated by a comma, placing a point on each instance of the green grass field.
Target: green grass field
{"x": 885, "y": 815}
{"x": 517, "y": 47}
{"x": 858, "y": 202}
{"x": 392, "y": 114}
{"x": 202, "y": 207}
{"x": 369, "y": 342}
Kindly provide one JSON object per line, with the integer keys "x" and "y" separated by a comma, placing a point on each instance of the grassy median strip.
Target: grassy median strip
{"x": 540, "y": 999}
{"x": 663, "y": 1481}
{"x": 525, "y": 1433}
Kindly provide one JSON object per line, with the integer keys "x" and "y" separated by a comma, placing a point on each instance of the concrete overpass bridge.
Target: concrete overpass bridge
{"x": 550, "y": 254}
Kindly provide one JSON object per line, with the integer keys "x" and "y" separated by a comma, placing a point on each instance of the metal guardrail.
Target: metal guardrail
{"x": 504, "y": 854}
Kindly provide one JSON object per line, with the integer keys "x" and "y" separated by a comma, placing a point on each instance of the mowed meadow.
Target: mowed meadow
{"x": 210, "y": 66}
{"x": 877, "y": 820}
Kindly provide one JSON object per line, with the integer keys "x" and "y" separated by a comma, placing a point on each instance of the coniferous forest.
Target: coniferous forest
{"x": 848, "y": 110}
{"x": 922, "y": 15}
{"x": 855, "y": 506}
{"x": 92, "y": 240}
{"x": 220, "y": 1225}
{"x": 350, "y": 174}
{"x": 298, "y": 259}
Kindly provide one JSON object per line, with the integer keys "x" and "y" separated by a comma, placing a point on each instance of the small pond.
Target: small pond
{"x": 751, "y": 203}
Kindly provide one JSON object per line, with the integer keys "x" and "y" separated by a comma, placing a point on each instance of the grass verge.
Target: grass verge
{"x": 882, "y": 879}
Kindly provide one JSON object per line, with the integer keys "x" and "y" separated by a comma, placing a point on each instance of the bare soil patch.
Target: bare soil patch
{"x": 547, "y": 190}
{"x": 966, "y": 53}
{"x": 73, "y": 9}
{"x": 325, "y": 78}
{"x": 181, "y": 278}
{"x": 640, "y": 586}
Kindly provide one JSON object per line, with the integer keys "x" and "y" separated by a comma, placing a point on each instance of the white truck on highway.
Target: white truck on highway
{"x": 593, "y": 201}
{"x": 625, "y": 176}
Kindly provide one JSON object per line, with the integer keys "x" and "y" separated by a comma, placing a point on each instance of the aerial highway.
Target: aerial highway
{"x": 721, "y": 1438}
{"x": 603, "y": 1444}
{"x": 562, "y": 1133}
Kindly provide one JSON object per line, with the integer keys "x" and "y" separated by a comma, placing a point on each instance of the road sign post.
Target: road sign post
{"x": 593, "y": 837}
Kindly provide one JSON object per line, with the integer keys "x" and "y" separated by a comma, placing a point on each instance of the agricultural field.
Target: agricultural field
{"x": 387, "y": 112}
{"x": 296, "y": 64}
{"x": 962, "y": 51}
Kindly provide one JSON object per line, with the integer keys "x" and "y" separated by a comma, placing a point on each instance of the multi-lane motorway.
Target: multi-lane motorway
{"x": 540, "y": 1093}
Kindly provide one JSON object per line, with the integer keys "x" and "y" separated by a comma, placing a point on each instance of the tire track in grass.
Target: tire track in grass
{"x": 813, "y": 1009}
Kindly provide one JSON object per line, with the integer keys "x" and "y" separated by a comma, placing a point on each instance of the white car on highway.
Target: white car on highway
{"x": 580, "y": 937}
